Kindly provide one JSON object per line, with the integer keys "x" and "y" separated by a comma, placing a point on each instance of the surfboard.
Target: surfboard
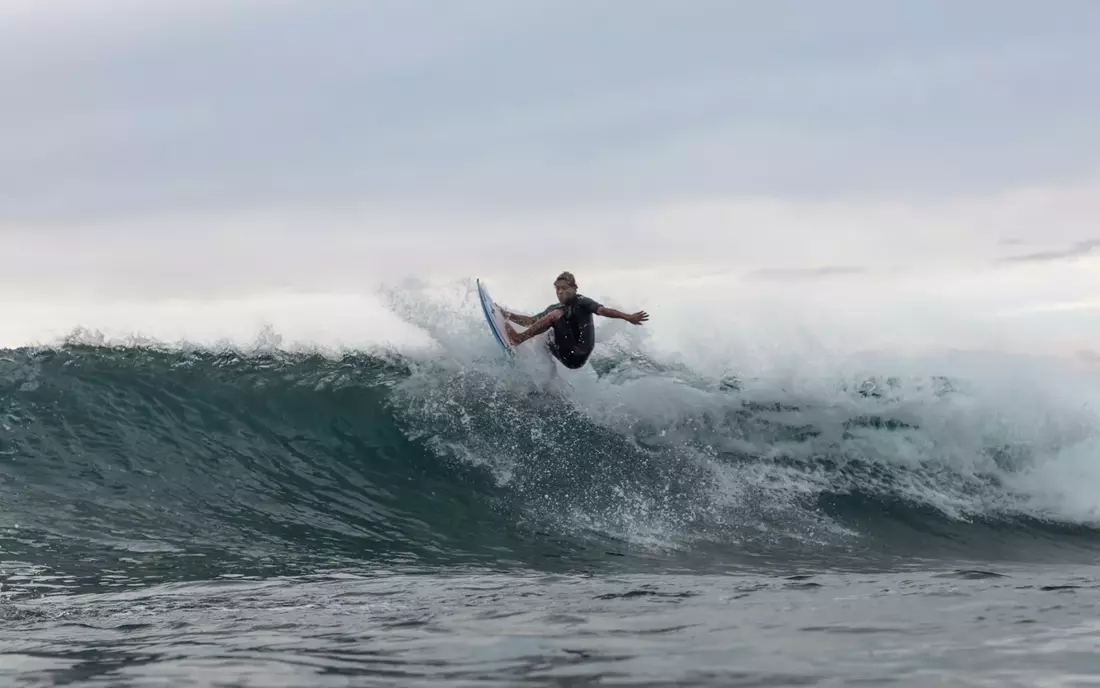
{"x": 494, "y": 318}
{"x": 540, "y": 355}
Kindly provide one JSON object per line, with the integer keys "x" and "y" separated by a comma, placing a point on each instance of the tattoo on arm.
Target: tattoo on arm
{"x": 524, "y": 320}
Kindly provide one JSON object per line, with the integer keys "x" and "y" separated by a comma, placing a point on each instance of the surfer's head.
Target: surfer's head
{"x": 566, "y": 286}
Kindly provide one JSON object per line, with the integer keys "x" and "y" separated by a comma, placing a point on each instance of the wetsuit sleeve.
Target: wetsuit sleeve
{"x": 546, "y": 310}
{"x": 589, "y": 305}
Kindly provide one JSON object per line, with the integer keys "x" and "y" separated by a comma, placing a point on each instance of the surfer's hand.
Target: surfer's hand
{"x": 638, "y": 318}
{"x": 513, "y": 337}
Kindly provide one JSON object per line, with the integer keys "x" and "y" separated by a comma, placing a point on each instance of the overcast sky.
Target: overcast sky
{"x": 328, "y": 143}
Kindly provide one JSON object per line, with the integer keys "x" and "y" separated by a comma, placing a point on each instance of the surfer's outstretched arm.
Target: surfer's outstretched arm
{"x": 636, "y": 318}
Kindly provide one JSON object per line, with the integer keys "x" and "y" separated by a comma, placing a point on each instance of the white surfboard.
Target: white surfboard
{"x": 494, "y": 318}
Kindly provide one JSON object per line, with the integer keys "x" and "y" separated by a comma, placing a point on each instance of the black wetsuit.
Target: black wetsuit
{"x": 573, "y": 335}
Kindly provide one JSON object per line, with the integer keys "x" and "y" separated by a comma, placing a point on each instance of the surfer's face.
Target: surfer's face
{"x": 564, "y": 290}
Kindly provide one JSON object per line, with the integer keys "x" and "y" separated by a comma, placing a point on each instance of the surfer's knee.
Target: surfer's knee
{"x": 574, "y": 362}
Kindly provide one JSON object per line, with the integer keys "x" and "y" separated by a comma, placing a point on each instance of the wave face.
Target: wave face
{"x": 187, "y": 462}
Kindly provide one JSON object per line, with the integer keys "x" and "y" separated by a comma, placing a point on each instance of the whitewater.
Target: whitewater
{"x": 285, "y": 491}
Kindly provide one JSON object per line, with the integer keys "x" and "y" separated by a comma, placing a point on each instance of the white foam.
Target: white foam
{"x": 300, "y": 320}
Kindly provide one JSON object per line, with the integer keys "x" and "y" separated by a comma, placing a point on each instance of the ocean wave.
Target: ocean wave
{"x": 143, "y": 453}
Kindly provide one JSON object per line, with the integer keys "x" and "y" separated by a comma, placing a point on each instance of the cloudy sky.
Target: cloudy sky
{"x": 202, "y": 147}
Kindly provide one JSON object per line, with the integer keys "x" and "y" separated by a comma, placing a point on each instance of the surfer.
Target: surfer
{"x": 572, "y": 335}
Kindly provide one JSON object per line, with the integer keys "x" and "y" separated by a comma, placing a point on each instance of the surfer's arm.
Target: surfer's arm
{"x": 518, "y": 319}
{"x": 537, "y": 327}
{"x": 636, "y": 318}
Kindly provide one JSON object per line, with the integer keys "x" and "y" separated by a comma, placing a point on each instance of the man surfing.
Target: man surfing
{"x": 573, "y": 335}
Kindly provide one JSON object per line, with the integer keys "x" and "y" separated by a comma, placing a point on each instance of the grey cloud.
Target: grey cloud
{"x": 495, "y": 102}
{"x": 1081, "y": 248}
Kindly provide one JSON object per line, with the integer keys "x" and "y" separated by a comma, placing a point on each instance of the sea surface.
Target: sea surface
{"x": 204, "y": 516}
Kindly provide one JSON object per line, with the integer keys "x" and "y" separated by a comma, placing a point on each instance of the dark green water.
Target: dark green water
{"x": 203, "y": 518}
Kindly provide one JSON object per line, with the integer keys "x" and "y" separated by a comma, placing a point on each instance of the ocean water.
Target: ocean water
{"x": 217, "y": 515}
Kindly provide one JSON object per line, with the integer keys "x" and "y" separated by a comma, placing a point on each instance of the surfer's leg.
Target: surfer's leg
{"x": 552, "y": 350}
{"x": 574, "y": 361}
{"x": 552, "y": 346}
{"x": 567, "y": 357}
{"x": 566, "y": 350}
